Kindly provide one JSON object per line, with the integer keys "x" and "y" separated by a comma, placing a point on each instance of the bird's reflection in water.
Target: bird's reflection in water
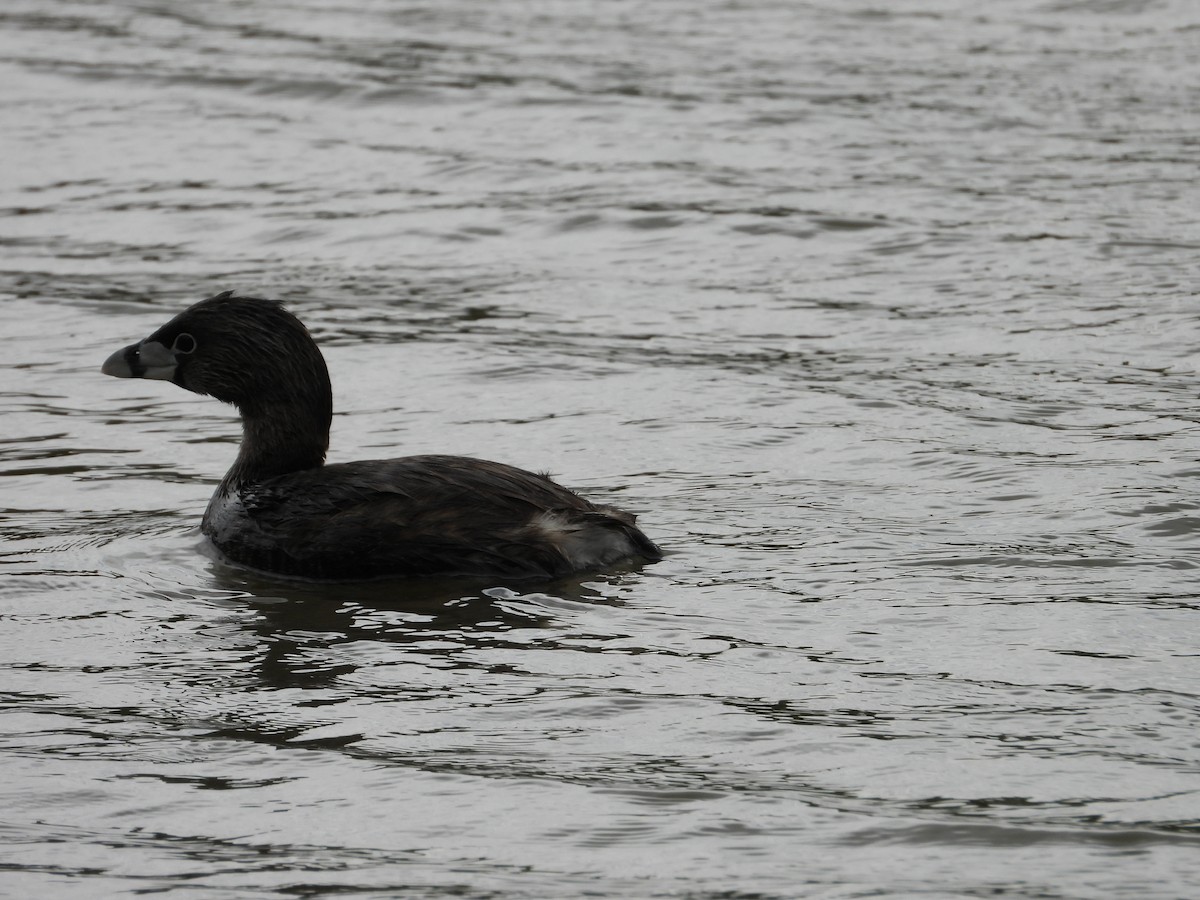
{"x": 311, "y": 634}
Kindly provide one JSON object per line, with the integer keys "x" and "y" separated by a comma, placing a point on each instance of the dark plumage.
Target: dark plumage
{"x": 280, "y": 508}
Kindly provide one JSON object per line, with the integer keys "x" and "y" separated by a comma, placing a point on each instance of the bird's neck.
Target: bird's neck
{"x": 280, "y": 438}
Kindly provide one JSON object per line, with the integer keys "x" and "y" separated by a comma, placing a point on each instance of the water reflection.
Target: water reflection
{"x": 310, "y": 633}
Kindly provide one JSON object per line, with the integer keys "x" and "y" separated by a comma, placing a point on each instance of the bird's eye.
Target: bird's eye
{"x": 184, "y": 344}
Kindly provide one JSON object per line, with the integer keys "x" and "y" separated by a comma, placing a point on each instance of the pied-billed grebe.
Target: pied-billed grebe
{"x": 280, "y": 508}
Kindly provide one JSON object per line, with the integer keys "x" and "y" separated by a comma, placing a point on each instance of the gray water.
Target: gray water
{"x": 881, "y": 315}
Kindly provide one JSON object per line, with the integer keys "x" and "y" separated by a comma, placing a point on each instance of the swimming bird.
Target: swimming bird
{"x": 282, "y": 510}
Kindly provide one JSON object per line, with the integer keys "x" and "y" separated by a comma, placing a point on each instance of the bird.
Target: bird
{"x": 281, "y": 509}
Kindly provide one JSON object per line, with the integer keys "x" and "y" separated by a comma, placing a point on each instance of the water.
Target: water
{"x": 880, "y": 315}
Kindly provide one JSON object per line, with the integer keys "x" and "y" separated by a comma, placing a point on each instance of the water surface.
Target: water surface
{"x": 881, "y": 316}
